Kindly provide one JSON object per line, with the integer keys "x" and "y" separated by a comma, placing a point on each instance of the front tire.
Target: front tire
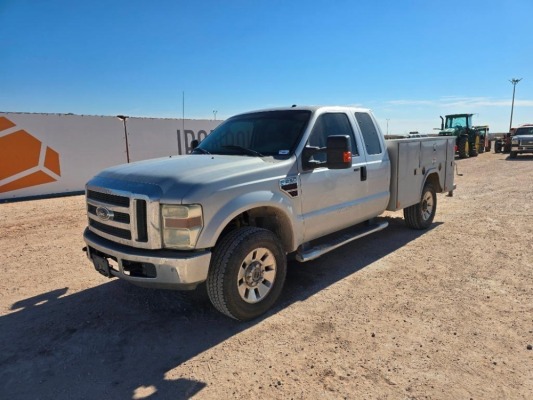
{"x": 420, "y": 216}
{"x": 247, "y": 273}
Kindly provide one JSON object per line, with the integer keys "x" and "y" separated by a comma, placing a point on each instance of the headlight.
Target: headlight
{"x": 181, "y": 225}
{"x": 515, "y": 141}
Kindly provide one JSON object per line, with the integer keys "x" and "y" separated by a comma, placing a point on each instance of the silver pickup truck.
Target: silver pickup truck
{"x": 522, "y": 140}
{"x": 297, "y": 181}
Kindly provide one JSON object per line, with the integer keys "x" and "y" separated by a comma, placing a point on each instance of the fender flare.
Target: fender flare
{"x": 433, "y": 171}
{"x": 249, "y": 201}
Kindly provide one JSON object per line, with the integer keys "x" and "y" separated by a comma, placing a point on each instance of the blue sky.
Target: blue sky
{"x": 409, "y": 61}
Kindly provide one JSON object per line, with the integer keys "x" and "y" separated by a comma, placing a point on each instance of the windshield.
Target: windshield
{"x": 267, "y": 133}
{"x": 460, "y": 121}
{"x": 526, "y": 130}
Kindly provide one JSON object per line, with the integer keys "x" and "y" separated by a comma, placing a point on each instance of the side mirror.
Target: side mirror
{"x": 309, "y": 153}
{"x": 339, "y": 152}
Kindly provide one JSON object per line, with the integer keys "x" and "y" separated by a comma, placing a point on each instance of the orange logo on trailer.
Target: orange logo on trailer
{"x": 23, "y": 160}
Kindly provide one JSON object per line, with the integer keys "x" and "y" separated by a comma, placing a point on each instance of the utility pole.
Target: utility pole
{"x": 123, "y": 118}
{"x": 215, "y": 114}
{"x": 182, "y": 132}
{"x": 388, "y": 119}
{"x": 514, "y": 82}
{"x": 183, "y": 112}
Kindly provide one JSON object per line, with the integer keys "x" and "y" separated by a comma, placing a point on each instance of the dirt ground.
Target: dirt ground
{"x": 443, "y": 314}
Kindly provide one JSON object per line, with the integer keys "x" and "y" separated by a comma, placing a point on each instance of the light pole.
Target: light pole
{"x": 388, "y": 119}
{"x": 123, "y": 118}
{"x": 215, "y": 114}
{"x": 514, "y": 82}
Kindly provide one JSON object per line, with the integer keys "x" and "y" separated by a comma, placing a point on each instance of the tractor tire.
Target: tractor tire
{"x": 481, "y": 148}
{"x": 474, "y": 146}
{"x": 420, "y": 216}
{"x": 497, "y": 147}
{"x": 463, "y": 147}
{"x": 247, "y": 273}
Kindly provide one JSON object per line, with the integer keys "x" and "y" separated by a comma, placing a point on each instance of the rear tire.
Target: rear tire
{"x": 463, "y": 146}
{"x": 481, "y": 146}
{"x": 474, "y": 146}
{"x": 420, "y": 216}
{"x": 247, "y": 273}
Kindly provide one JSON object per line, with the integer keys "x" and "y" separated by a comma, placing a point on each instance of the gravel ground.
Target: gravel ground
{"x": 441, "y": 314}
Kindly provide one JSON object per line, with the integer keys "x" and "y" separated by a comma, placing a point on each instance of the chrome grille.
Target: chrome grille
{"x": 108, "y": 198}
{"x": 111, "y": 230}
{"x": 140, "y": 214}
{"x": 118, "y": 216}
{"x": 123, "y": 217}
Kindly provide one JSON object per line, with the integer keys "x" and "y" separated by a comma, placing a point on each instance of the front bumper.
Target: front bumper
{"x": 161, "y": 269}
{"x": 522, "y": 149}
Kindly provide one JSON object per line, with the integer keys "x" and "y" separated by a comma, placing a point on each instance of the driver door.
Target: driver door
{"x": 333, "y": 199}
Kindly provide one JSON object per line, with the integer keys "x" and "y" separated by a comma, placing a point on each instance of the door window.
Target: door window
{"x": 328, "y": 125}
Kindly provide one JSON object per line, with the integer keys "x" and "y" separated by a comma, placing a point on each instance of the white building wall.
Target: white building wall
{"x": 49, "y": 154}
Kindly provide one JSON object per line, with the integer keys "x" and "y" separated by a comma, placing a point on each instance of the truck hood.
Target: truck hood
{"x": 179, "y": 177}
{"x": 527, "y": 138}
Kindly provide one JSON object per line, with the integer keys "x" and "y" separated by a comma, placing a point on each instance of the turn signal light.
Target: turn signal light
{"x": 347, "y": 157}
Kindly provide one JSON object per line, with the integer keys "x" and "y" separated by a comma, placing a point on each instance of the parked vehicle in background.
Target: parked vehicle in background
{"x": 467, "y": 139}
{"x": 522, "y": 140}
{"x": 262, "y": 185}
{"x": 502, "y": 143}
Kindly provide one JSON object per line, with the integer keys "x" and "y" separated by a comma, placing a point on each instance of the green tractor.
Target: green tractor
{"x": 467, "y": 139}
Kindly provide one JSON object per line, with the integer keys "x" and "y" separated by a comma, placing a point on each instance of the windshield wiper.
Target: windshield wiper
{"x": 203, "y": 151}
{"x": 246, "y": 150}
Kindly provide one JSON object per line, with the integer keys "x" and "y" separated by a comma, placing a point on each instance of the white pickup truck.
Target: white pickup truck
{"x": 298, "y": 181}
{"x": 522, "y": 140}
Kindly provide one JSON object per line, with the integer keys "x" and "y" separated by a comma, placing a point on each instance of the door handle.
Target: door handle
{"x": 363, "y": 172}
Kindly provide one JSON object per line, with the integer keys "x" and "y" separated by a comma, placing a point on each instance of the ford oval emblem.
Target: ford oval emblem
{"x": 104, "y": 214}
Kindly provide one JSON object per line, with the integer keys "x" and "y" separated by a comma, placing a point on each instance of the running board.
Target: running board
{"x": 330, "y": 242}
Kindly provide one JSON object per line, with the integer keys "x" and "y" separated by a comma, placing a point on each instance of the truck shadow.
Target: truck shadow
{"x": 119, "y": 341}
{"x": 520, "y": 157}
{"x": 306, "y": 279}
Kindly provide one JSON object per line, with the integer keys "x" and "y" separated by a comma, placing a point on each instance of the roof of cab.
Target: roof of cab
{"x": 311, "y": 108}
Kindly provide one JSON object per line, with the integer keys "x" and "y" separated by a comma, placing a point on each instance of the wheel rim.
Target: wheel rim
{"x": 467, "y": 147}
{"x": 427, "y": 206}
{"x": 256, "y": 275}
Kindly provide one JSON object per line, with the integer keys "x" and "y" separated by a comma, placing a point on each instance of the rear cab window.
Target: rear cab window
{"x": 369, "y": 132}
